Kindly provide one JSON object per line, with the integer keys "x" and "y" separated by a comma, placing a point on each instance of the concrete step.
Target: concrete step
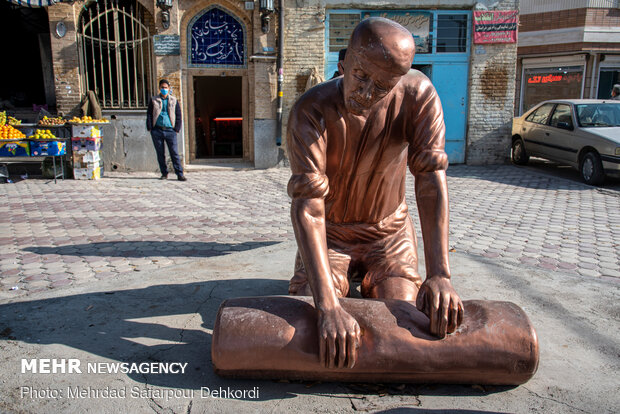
{"x": 213, "y": 164}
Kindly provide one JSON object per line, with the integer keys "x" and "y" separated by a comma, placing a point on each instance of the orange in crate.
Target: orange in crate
{"x": 8, "y": 132}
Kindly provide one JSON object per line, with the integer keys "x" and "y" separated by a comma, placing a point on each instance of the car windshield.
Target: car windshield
{"x": 598, "y": 115}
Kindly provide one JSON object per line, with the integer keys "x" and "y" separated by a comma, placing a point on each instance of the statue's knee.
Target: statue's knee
{"x": 392, "y": 288}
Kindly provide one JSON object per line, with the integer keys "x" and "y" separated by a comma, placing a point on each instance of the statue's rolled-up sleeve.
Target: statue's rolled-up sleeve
{"x": 307, "y": 147}
{"x": 427, "y": 136}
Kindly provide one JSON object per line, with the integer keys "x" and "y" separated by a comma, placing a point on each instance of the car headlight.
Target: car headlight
{"x": 618, "y": 151}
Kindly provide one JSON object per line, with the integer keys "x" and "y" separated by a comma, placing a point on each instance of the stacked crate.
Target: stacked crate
{"x": 86, "y": 146}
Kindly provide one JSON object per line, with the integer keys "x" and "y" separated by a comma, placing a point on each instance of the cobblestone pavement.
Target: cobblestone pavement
{"x": 52, "y": 235}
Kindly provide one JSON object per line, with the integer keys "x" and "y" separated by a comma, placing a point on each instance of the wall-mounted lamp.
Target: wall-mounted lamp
{"x": 165, "y": 6}
{"x": 266, "y": 10}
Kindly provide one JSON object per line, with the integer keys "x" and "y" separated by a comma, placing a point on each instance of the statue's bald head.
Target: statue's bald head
{"x": 385, "y": 43}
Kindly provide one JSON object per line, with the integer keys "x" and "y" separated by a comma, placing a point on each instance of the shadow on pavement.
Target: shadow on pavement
{"x": 516, "y": 176}
{"x": 152, "y": 324}
{"x": 157, "y": 324}
{"x": 546, "y": 167}
{"x": 141, "y": 249}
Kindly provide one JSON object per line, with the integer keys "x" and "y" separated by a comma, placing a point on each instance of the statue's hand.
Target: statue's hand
{"x": 440, "y": 302}
{"x": 339, "y": 338}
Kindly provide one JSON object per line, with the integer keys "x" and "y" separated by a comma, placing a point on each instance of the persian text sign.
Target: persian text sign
{"x": 495, "y": 26}
{"x": 167, "y": 45}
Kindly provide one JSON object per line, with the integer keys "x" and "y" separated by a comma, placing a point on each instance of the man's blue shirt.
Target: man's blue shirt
{"x": 164, "y": 119}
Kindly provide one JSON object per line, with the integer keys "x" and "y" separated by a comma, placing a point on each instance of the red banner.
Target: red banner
{"x": 495, "y": 26}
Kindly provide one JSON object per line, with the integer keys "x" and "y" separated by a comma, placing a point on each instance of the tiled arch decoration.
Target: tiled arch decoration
{"x": 216, "y": 38}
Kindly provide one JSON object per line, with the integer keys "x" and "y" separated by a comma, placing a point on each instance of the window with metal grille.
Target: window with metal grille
{"x": 451, "y": 33}
{"x": 340, "y": 28}
{"x": 115, "y": 53}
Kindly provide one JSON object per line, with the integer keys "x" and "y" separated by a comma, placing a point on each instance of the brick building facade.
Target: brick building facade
{"x": 224, "y": 99}
{"x": 239, "y": 97}
{"x": 567, "y": 49}
{"x": 487, "y": 72}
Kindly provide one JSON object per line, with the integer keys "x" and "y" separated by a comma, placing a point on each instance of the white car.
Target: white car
{"x": 583, "y": 133}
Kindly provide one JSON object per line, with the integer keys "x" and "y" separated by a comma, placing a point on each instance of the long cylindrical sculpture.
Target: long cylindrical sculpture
{"x": 275, "y": 337}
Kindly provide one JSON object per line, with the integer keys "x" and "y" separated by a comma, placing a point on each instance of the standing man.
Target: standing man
{"x": 615, "y": 92}
{"x": 341, "y": 54}
{"x": 165, "y": 109}
{"x": 350, "y": 141}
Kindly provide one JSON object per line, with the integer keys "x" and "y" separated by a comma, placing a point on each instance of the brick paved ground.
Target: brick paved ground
{"x": 52, "y": 235}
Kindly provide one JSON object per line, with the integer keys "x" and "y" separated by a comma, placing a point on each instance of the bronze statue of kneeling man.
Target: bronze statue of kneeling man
{"x": 350, "y": 141}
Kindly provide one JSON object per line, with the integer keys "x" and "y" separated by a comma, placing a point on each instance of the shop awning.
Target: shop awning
{"x": 34, "y": 3}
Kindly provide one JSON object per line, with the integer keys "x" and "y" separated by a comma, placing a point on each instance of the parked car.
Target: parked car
{"x": 583, "y": 133}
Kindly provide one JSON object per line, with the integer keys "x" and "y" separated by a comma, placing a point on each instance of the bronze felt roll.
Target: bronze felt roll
{"x": 276, "y": 337}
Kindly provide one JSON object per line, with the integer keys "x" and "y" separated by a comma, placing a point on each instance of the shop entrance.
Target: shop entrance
{"x": 218, "y": 116}
{"x": 608, "y": 77}
{"x": 26, "y": 67}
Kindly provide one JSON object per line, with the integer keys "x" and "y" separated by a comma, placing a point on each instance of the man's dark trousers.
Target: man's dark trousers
{"x": 169, "y": 136}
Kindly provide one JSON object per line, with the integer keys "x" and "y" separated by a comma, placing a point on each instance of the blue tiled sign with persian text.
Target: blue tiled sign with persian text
{"x": 217, "y": 39}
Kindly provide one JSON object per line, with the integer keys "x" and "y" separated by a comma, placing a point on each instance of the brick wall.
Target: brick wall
{"x": 265, "y": 93}
{"x": 304, "y": 48}
{"x": 570, "y": 48}
{"x": 603, "y": 17}
{"x": 552, "y": 20}
{"x": 491, "y": 98}
{"x": 264, "y": 76}
{"x": 569, "y": 18}
{"x": 65, "y": 58}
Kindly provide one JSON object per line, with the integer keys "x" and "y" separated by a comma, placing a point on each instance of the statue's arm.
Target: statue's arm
{"x": 436, "y": 298}
{"x": 428, "y": 162}
{"x": 339, "y": 333}
{"x": 308, "y": 218}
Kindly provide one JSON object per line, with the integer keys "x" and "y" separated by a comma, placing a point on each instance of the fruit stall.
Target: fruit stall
{"x": 77, "y": 139}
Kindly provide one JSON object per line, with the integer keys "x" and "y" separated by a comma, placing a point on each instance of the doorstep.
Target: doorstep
{"x": 213, "y": 164}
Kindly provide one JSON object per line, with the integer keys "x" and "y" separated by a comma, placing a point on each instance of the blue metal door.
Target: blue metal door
{"x": 443, "y": 47}
{"x": 450, "y": 80}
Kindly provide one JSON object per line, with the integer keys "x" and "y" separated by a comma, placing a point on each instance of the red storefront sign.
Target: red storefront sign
{"x": 575, "y": 77}
{"x": 495, "y": 26}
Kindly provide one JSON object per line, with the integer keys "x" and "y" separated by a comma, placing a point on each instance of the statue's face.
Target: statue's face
{"x": 365, "y": 84}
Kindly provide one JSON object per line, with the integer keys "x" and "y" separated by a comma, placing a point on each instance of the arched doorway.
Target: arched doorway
{"x": 217, "y": 85}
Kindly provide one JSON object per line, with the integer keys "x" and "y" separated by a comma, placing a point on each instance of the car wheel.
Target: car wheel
{"x": 592, "y": 169}
{"x": 518, "y": 154}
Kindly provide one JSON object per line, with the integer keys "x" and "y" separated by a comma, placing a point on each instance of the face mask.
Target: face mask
{"x": 164, "y": 92}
